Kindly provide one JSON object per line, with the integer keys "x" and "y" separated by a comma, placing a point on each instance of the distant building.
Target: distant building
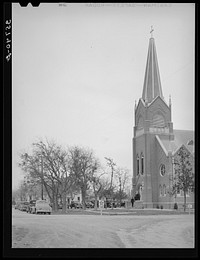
{"x": 75, "y": 196}
{"x": 155, "y": 142}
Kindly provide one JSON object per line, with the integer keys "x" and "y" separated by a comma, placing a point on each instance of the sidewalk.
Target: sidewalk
{"x": 133, "y": 211}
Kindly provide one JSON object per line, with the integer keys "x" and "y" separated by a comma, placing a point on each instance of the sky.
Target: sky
{"x": 77, "y": 70}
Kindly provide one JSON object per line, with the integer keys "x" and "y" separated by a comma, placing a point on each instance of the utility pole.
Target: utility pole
{"x": 42, "y": 178}
{"x": 112, "y": 165}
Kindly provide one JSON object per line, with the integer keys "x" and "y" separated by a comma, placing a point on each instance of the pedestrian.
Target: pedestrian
{"x": 132, "y": 202}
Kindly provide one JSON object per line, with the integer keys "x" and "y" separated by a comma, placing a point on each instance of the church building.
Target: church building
{"x": 156, "y": 143}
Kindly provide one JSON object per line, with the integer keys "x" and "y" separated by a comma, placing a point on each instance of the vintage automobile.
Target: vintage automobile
{"x": 41, "y": 206}
{"x": 89, "y": 204}
{"x": 31, "y": 204}
{"x": 17, "y": 205}
{"x": 75, "y": 205}
{"x": 23, "y": 205}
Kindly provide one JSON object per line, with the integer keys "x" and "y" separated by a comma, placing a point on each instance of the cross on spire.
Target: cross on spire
{"x": 151, "y": 32}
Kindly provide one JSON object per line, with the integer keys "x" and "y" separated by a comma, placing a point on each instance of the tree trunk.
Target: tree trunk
{"x": 95, "y": 202}
{"x": 111, "y": 199}
{"x": 120, "y": 191}
{"x": 184, "y": 200}
{"x": 47, "y": 191}
{"x": 56, "y": 202}
{"x": 53, "y": 201}
{"x": 64, "y": 196}
{"x": 83, "y": 193}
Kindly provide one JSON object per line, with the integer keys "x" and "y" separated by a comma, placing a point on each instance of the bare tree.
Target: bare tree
{"x": 49, "y": 164}
{"x": 83, "y": 165}
{"x": 98, "y": 184}
{"x": 16, "y": 194}
{"x": 112, "y": 166}
{"x": 34, "y": 187}
{"x": 22, "y": 191}
{"x": 122, "y": 176}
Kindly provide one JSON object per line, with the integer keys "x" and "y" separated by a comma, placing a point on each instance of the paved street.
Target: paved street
{"x": 106, "y": 231}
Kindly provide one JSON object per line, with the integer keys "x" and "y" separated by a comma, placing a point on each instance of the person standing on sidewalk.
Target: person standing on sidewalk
{"x": 132, "y": 202}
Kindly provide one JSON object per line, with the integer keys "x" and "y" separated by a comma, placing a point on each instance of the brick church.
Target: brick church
{"x": 156, "y": 143}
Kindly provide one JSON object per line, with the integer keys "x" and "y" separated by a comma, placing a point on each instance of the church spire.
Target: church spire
{"x": 152, "y": 85}
{"x": 151, "y": 32}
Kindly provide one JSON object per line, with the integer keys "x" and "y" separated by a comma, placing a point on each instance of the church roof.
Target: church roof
{"x": 184, "y": 137}
{"x": 152, "y": 85}
{"x": 181, "y": 137}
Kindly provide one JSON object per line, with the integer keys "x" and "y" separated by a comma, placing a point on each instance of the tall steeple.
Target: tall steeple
{"x": 152, "y": 85}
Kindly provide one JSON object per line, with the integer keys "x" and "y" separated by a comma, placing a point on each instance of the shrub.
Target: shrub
{"x": 161, "y": 206}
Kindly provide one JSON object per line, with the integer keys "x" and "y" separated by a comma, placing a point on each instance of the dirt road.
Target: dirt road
{"x": 96, "y": 231}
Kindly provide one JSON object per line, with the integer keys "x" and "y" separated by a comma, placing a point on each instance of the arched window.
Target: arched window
{"x": 162, "y": 170}
{"x": 142, "y": 163}
{"x": 138, "y": 165}
{"x": 164, "y": 190}
{"x": 160, "y": 190}
{"x": 140, "y": 122}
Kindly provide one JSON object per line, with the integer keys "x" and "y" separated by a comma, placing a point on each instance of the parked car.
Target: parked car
{"x": 23, "y": 205}
{"x": 79, "y": 205}
{"x": 89, "y": 204}
{"x": 109, "y": 203}
{"x": 17, "y": 205}
{"x": 75, "y": 205}
{"x": 123, "y": 204}
{"x": 31, "y": 204}
{"x": 60, "y": 206}
{"x": 41, "y": 206}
